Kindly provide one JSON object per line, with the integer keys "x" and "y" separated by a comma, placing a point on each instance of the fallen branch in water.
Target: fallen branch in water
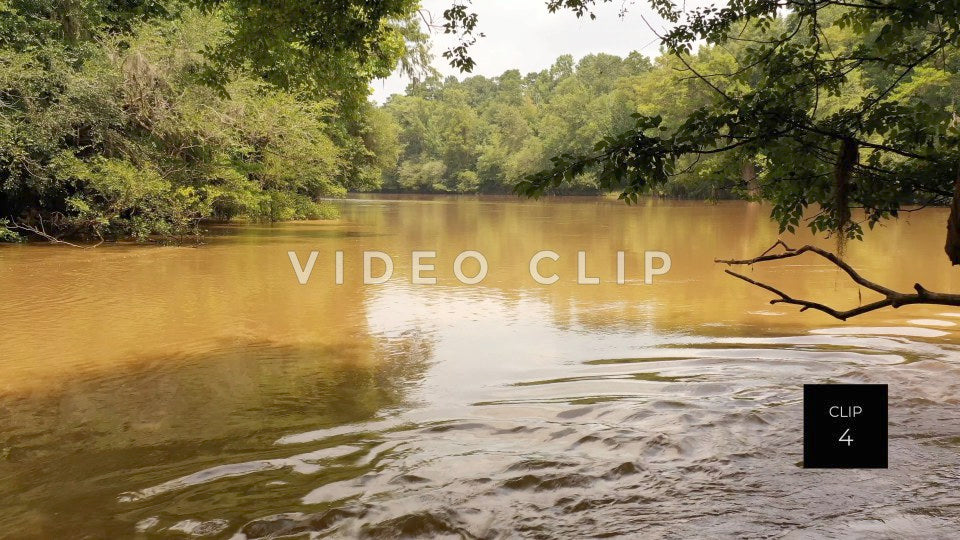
{"x": 41, "y": 231}
{"x": 891, "y": 298}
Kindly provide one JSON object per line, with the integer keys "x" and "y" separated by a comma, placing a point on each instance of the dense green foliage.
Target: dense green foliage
{"x": 487, "y": 134}
{"x": 145, "y": 117}
{"x": 762, "y": 110}
{"x": 837, "y": 105}
{"x": 135, "y": 119}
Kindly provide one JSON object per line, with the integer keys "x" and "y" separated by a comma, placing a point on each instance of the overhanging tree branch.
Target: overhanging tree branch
{"x": 891, "y": 298}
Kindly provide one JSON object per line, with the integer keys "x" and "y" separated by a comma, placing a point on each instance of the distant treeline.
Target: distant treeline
{"x": 483, "y": 135}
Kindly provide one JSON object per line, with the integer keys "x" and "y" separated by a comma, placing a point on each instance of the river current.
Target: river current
{"x": 201, "y": 391}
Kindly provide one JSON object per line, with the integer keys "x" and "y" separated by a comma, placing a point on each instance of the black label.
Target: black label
{"x": 845, "y": 426}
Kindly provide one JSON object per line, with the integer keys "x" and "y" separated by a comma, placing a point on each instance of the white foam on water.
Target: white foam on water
{"x": 931, "y": 322}
{"x": 880, "y": 331}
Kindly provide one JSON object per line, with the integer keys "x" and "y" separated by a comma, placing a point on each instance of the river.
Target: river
{"x": 202, "y": 391}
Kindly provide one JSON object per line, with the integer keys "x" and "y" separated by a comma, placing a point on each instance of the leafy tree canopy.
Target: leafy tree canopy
{"x": 332, "y": 48}
{"x": 892, "y": 136}
{"x": 140, "y": 118}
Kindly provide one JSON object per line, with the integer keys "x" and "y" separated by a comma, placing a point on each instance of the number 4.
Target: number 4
{"x": 846, "y": 437}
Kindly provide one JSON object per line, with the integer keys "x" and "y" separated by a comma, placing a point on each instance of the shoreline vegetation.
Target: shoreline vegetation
{"x": 147, "y": 121}
{"x": 121, "y": 141}
{"x": 129, "y": 120}
{"x": 201, "y": 229}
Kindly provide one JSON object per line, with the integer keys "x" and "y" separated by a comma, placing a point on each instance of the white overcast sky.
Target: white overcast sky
{"x": 522, "y": 34}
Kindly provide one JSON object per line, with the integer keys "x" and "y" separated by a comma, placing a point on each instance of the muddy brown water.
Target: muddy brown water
{"x": 202, "y": 392}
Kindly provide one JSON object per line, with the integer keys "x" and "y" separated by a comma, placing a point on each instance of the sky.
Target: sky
{"x": 522, "y": 34}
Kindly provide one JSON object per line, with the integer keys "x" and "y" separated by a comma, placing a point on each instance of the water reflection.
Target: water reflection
{"x": 202, "y": 391}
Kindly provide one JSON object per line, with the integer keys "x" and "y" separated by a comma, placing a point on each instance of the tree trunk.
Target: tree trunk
{"x": 953, "y": 225}
{"x": 748, "y": 174}
{"x": 848, "y": 158}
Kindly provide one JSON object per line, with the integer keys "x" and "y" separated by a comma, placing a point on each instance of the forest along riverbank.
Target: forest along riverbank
{"x": 239, "y": 402}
